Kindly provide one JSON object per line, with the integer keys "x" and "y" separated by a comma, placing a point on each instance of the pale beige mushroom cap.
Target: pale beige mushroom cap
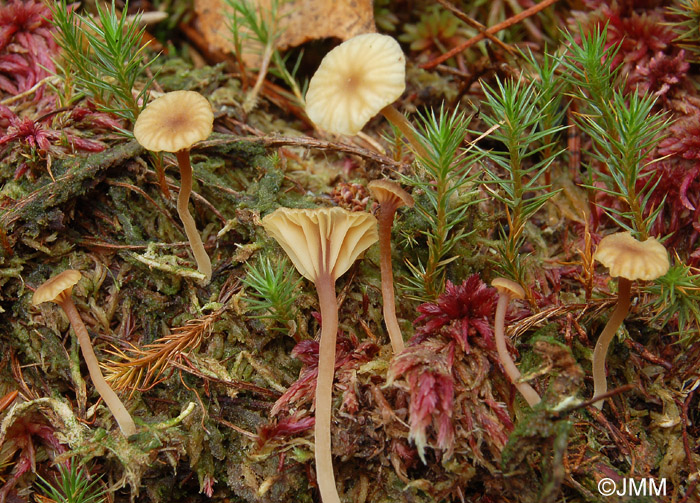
{"x": 508, "y": 286}
{"x": 174, "y": 122}
{"x": 323, "y": 239}
{"x": 355, "y": 81}
{"x": 51, "y": 289}
{"x": 632, "y": 259}
{"x": 388, "y": 191}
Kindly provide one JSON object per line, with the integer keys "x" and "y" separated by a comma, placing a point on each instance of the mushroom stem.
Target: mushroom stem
{"x": 399, "y": 120}
{"x": 385, "y": 219}
{"x": 325, "y": 287}
{"x": 600, "y": 383}
{"x": 183, "y": 199}
{"x": 115, "y": 405}
{"x": 512, "y": 371}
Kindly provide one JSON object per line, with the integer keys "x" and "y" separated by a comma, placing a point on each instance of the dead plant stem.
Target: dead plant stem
{"x": 494, "y": 29}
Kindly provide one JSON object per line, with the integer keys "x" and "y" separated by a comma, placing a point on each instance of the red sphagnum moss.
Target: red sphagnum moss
{"x": 27, "y": 46}
{"x": 462, "y": 312}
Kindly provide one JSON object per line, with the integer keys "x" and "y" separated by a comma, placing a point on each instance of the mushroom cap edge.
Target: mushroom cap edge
{"x": 52, "y": 288}
{"x": 505, "y": 285}
{"x": 335, "y": 233}
{"x": 355, "y": 81}
{"x": 632, "y": 259}
{"x": 175, "y": 121}
{"x": 384, "y": 190}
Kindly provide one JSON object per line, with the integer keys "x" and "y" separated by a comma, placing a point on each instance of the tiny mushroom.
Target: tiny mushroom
{"x": 628, "y": 259}
{"x": 323, "y": 244}
{"x": 390, "y": 197}
{"x": 508, "y": 289}
{"x": 357, "y": 80}
{"x": 173, "y": 123}
{"x": 58, "y": 289}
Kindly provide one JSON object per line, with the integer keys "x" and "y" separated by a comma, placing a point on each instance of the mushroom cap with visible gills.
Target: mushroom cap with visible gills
{"x": 388, "y": 191}
{"x": 174, "y": 122}
{"x": 632, "y": 259}
{"x": 51, "y": 289}
{"x": 508, "y": 286}
{"x": 322, "y": 240}
{"x": 355, "y": 81}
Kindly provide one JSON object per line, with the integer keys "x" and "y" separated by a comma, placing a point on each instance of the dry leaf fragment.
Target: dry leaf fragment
{"x": 301, "y": 21}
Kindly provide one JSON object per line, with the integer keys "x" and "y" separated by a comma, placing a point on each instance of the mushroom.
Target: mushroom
{"x": 508, "y": 289}
{"x": 322, "y": 244}
{"x": 173, "y": 123}
{"x": 356, "y": 80}
{"x": 628, "y": 259}
{"x": 58, "y": 289}
{"x": 390, "y": 197}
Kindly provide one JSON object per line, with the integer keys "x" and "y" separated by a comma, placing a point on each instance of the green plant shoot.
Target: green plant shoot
{"x": 73, "y": 485}
{"x": 272, "y": 291}
{"x": 104, "y": 57}
{"x": 624, "y": 129}
{"x": 445, "y": 180}
{"x": 515, "y": 112}
{"x": 261, "y": 27}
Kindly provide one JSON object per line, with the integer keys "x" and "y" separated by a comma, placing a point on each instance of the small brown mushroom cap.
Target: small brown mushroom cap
{"x": 322, "y": 240}
{"x": 510, "y": 287}
{"x": 355, "y": 81}
{"x": 53, "y": 288}
{"x": 174, "y": 122}
{"x": 387, "y": 191}
{"x": 629, "y": 258}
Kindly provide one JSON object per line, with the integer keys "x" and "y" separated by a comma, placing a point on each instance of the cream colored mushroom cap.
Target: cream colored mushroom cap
{"x": 174, "y": 122}
{"x": 632, "y": 259}
{"x": 52, "y": 288}
{"x": 323, "y": 239}
{"x": 355, "y": 81}
{"x": 386, "y": 190}
{"x": 508, "y": 286}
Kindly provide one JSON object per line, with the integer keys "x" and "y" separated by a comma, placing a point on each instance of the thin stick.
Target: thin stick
{"x": 475, "y": 24}
{"x": 494, "y": 29}
{"x": 305, "y": 142}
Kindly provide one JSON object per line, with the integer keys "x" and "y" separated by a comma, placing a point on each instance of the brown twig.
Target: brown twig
{"x": 647, "y": 355}
{"x": 229, "y": 424}
{"x": 235, "y": 384}
{"x": 307, "y": 142}
{"x": 476, "y": 24}
{"x": 17, "y": 374}
{"x": 596, "y": 305}
{"x": 494, "y": 29}
{"x": 89, "y": 241}
{"x": 211, "y": 55}
{"x": 619, "y": 438}
{"x": 276, "y": 95}
{"x": 603, "y": 396}
{"x": 689, "y": 491}
{"x": 7, "y": 400}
